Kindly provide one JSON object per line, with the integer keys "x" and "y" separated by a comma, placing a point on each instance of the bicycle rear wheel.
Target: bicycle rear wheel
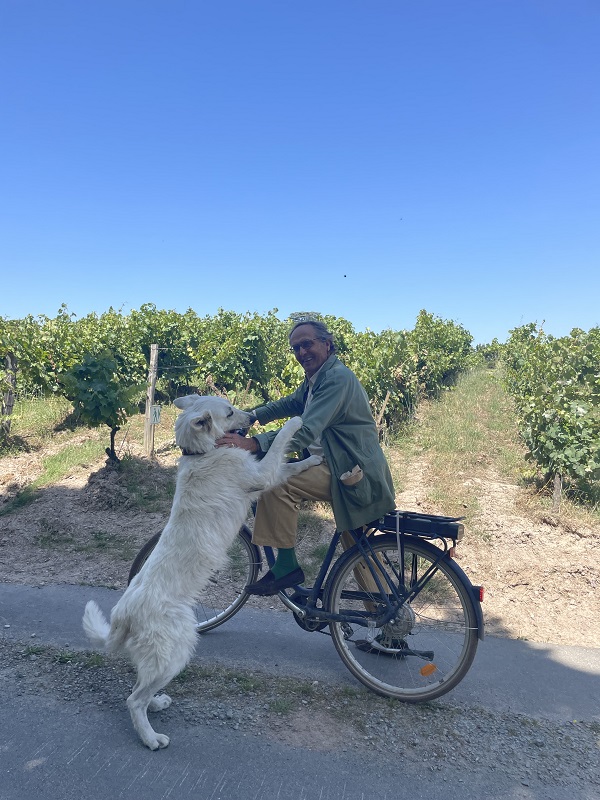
{"x": 225, "y": 592}
{"x": 431, "y": 642}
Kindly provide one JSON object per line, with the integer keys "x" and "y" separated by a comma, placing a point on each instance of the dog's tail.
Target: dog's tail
{"x": 95, "y": 625}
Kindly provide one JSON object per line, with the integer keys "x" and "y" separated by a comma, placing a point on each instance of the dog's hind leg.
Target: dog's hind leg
{"x": 159, "y": 702}
{"x": 143, "y": 699}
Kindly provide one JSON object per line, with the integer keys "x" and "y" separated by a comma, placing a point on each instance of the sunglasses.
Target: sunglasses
{"x": 305, "y": 344}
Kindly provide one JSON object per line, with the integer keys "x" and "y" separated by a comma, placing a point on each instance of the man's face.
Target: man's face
{"x": 311, "y": 352}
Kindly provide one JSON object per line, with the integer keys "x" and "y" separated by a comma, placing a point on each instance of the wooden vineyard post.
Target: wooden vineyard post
{"x": 557, "y": 493}
{"x": 8, "y": 396}
{"x": 382, "y": 411}
{"x": 148, "y": 423}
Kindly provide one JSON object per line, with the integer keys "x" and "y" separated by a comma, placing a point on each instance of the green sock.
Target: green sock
{"x": 285, "y": 562}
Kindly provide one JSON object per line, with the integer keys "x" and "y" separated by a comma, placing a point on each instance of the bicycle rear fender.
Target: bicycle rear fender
{"x": 474, "y": 591}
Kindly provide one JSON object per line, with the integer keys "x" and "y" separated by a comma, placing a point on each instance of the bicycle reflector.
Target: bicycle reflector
{"x": 428, "y": 670}
{"x": 479, "y": 592}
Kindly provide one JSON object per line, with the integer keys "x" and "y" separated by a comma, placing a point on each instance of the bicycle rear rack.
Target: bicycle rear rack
{"x": 426, "y": 526}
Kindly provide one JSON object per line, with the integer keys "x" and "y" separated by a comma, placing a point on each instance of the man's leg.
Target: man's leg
{"x": 277, "y": 511}
{"x": 362, "y": 573}
{"x": 276, "y": 526}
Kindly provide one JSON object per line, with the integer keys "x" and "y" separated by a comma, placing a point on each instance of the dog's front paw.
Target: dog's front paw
{"x": 312, "y": 461}
{"x": 292, "y": 425}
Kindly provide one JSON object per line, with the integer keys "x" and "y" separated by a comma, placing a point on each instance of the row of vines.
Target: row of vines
{"x": 555, "y": 383}
{"x": 100, "y": 363}
{"x": 237, "y": 353}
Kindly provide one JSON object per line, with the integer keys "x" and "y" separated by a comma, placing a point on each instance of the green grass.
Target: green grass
{"x": 474, "y": 424}
{"x": 36, "y": 422}
{"x": 73, "y": 456}
{"x": 88, "y": 660}
{"x": 53, "y": 535}
{"x": 36, "y": 419}
{"x": 35, "y": 650}
{"x": 55, "y": 468}
{"x": 282, "y": 705}
{"x": 469, "y": 431}
{"x": 149, "y": 489}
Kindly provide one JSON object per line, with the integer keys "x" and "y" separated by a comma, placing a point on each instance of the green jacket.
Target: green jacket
{"x": 340, "y": 414}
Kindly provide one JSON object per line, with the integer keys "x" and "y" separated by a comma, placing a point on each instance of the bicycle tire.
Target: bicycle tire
{"x": 438, "y": 630}
{"x": 142, "y": 557}
{"x": 225, "y": 593}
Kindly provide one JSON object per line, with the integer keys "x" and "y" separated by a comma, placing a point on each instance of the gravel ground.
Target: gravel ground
{"x": 451, "y": 740}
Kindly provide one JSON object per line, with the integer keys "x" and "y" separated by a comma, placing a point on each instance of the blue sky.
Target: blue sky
{"x": 362, "y": 159}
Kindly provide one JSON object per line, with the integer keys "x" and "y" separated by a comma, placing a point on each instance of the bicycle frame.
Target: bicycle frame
{"x": 394, "y": 597}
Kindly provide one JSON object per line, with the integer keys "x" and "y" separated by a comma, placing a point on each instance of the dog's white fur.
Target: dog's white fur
{"x": 153, "y": 623}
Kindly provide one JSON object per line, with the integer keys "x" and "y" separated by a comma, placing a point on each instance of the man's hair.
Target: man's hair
{"x": 320, "y": 330}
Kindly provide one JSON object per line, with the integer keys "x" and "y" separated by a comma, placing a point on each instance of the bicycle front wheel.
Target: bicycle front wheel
{"x": 225, "y": 593}
{"x": 428, "y": 647}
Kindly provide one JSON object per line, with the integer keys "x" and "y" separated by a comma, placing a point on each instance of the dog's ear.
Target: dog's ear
{"x": 185, "y": 402}
{"x": 203, "y": 421}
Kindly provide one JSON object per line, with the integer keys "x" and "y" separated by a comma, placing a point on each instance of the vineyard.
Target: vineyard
{"x": 556, "y": 387}
{"x": 240, "y": 354}
{"x": 100, "y": 364}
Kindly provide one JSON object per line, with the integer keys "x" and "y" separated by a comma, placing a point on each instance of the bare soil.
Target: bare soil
{"x": 541, "y": 576}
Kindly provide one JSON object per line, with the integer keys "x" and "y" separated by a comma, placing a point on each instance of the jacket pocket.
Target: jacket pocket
{"x": 352, "y": 477}
{"x": 358, "y": 494}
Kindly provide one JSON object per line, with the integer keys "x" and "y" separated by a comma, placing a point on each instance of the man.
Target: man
{"x": 337, "y": 424}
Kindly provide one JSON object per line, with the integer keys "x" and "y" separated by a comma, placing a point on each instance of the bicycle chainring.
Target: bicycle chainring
{"x": 306, "y": 624}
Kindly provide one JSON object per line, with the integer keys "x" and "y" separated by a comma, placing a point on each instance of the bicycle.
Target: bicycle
{"x": 418, "y": 613}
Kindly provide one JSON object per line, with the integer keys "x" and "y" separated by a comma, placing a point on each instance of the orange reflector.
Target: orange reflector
{"x": 427, "y": 670}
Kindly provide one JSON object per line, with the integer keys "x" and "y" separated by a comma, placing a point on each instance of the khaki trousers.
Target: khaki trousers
{"x": 276, "y": 520}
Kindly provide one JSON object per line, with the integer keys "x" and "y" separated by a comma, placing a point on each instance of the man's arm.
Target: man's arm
{"x": 290, "y": 406}
{"x": 327, "y": 405}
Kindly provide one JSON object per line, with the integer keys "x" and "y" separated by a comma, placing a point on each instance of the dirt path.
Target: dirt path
{"x": 541, "y": 579}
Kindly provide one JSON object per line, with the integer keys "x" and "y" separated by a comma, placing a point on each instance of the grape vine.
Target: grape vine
{"x": 556, "y": 386}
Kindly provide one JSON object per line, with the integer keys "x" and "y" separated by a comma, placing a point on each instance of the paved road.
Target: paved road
{"x": 56, "y": 752}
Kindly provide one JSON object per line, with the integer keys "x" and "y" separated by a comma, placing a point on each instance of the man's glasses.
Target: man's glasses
{"x": 305, "y": 344}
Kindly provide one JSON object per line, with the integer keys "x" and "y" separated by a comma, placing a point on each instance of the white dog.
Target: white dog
{"x": 153, "y": 623}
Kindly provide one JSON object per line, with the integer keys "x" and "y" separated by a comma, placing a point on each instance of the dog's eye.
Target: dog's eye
{"x": 230, "y": 412}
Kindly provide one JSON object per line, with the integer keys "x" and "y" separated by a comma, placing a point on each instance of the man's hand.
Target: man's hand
{"x": 235, "y": 440}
